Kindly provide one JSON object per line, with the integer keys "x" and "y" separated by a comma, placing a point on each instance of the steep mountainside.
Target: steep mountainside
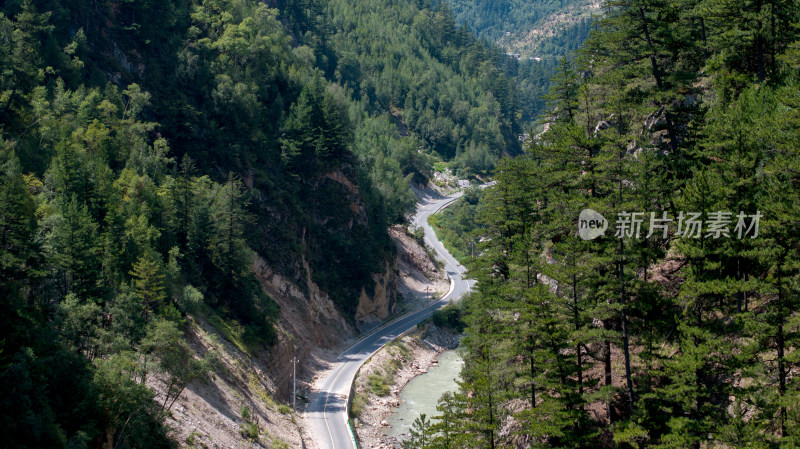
{"x": 172, "y": 167}
{"x": 455, "y": 95}
{"x": 638, "y": 267}
{"x": 530, "y": 29}
{"x": 536, "y": 33}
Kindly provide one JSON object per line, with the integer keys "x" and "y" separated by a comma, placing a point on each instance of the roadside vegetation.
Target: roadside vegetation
{"x": 458, "y": 226}
{"x": 377, "y": 375}
{"x": 451, "y": 316}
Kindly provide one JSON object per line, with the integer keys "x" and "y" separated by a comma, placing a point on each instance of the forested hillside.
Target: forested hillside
{"x": 461, "y": 98}
{"x": 537, "y": 33}
{"x": 679, "y": 122}
{"x": 545, "y": 29}
{"x": 151, "y": 151}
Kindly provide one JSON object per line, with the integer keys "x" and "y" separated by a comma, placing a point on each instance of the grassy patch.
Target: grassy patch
{"x": 249, "y": 430}
{"x": 380, "y": 380}
{"x": 402, "y": 348}
{"x": 277, "y": 443}
{"x": 231, "y": 330}
{"x": 378, "y": 384}
{"x": 190, "y": 439}
{"x": 284, "y": 409}
{"x": 358, "y": 404}
{"x": 249, "y": 338}
{"x": 255, "y": 386}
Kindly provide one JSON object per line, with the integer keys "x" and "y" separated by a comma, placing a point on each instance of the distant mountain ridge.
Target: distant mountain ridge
{"x": 535, "y": 30}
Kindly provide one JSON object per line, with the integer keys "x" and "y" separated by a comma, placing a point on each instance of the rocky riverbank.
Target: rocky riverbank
{"x": 381, "y": 379}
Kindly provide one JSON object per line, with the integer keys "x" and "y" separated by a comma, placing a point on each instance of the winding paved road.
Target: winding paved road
{"x": 327, "y": 411}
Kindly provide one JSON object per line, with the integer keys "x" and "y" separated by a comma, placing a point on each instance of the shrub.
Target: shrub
{"x": 190, "y": 300}
{"x": 190, "y": 440}
{"x": 358, "y": 404}
{"x": 419, "y": 236}
{"x": 450, "y": 317}
{"x": 249, "y": 430}
{"x": 377, "y": 384}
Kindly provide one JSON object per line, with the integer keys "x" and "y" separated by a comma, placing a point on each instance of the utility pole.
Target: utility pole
{"x": 294, "y": 383}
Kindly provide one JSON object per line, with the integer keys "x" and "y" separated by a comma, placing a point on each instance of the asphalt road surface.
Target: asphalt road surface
{"x": 326, "y": 412}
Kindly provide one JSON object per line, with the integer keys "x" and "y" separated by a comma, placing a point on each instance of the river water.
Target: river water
{"x": 422, "y": 392}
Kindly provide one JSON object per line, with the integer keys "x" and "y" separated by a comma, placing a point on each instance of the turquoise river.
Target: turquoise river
{"x": 421, "y": 393}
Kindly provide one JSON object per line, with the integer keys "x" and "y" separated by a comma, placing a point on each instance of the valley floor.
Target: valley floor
{"x": 383, "y": 376}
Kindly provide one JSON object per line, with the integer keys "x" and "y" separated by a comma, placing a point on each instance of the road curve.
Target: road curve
{"x": 327, "y": 409}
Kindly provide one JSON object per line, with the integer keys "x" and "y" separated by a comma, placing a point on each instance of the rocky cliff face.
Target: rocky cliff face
{"x": 309, "y": 319}
{"x": 310, "y": 315}
{"x": 376, "y": 305}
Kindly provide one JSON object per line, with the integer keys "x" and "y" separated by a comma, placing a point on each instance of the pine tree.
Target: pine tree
{"x": 17, "y": 223}
{"x": 419, "y": 435}
{"x": 183, "y": 198}
{"x": 229, "y": 250}
{"x": 73, "y": 247}
{"x": 563, "y": 98}
{"x": 483, "y": 374}
{"x": 149, "y": 284}
{"x": 448, "y": 426}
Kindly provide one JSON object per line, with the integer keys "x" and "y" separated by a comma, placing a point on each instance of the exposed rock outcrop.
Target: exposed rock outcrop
{"x": 309, "y": 320}
{"x": 377, "y": 305}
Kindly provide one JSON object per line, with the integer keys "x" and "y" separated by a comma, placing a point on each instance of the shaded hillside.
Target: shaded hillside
{"x": 153, "y": 153}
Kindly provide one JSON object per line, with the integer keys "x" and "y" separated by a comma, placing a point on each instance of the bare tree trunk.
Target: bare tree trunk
{"x": 533, "y": 382}
{"x": 177, "y": 395}
{"x": 622, "y": 301}
{"x": 781, "y": 362}
{"x": 760, "y": 45}
{"x": 772, "y": 30}
{"x": 608, "y": 380}
{"x": 576, "y": 316}
{"x": 491, "y": 408}
{"x": 703, "y": 32}
{"x": 626, "y": 351}
{"x": 673, "y": 140}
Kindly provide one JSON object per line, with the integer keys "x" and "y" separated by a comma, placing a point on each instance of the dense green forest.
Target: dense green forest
{"x": 463, "y": 98}
{"x": 537, "y": 33}
{"x": 150, "y": 150}
{"x": 671, "y": 337}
